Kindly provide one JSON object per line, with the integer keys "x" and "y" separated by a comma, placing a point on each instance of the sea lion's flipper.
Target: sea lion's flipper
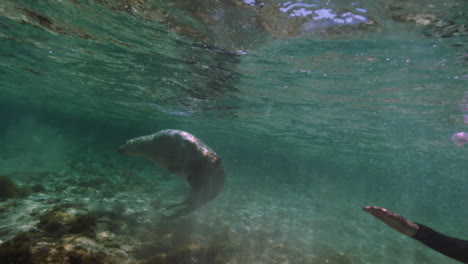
{"x": 187, "y": 209}
{"x": 204, "y": 187}
{"x": 174, "y": 206}
{"x": 194, "y": 200}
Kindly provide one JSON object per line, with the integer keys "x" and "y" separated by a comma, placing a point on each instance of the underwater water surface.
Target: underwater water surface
{"x": 316, "y": 108}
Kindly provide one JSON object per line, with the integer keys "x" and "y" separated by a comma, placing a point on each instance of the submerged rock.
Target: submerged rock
{"x": 28, "y": 248}
{"x": 9, "y": 189}
{"x": 17, "y": 250}
{"x": 65, "y": 234}
{"x": 60, "y": 221}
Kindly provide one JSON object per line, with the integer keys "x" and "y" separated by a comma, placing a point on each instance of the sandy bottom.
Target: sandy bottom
{"x": 120, "y": 200}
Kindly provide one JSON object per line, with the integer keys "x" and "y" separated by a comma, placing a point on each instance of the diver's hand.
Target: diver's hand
{"x": 397, "y": 222}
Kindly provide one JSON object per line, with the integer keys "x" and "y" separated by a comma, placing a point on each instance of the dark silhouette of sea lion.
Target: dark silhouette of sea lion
{"x": 182, "y": 153}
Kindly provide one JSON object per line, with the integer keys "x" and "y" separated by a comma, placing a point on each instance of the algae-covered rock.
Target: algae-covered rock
{"x": 9, "y": 189}
{"x": 60, "y": 221}
{"x": 30, "y": 248}
{"x": 36, "y": 247}
{"x": 17, "y": 250}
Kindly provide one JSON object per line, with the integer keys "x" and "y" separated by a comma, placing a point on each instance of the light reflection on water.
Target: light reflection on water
{"x": 325, "y": 17}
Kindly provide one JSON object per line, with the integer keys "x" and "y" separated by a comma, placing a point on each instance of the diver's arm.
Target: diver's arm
{"x": 449, "y": 246}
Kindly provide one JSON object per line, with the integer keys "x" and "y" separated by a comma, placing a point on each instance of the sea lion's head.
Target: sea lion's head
{"x": 137, "y": 146}
{"x": 162, "y": 148}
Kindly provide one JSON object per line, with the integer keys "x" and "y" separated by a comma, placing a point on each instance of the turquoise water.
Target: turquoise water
{"x": 316, "y": 108}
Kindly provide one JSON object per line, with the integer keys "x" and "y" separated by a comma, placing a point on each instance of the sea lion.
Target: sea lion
{"x": 182, "y": 153}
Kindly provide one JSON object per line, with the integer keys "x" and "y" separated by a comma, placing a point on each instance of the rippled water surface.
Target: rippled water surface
{"x": 316, "y": 108}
